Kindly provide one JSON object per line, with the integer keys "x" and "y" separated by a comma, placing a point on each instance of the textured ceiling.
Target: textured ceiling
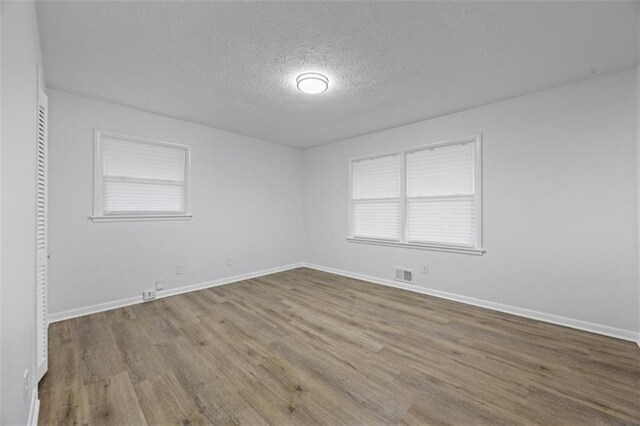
{"x": 232, "y": 65}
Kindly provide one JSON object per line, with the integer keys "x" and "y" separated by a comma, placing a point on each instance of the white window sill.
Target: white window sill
{"x": 447, "y": 249}
{"x": 140, "y": 217}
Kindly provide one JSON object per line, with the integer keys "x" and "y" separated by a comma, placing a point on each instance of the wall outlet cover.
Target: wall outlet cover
{"x": 179, "y": 269}
{"x": 159, "y": 284}
{"x": 148, "y": 295}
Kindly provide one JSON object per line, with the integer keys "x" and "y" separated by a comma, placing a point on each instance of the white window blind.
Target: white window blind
{"x": 376, "y": 198}
{"x": 137, "y": 176}
{"x": 428, "y": 197}
{"x": 440, "y": 195}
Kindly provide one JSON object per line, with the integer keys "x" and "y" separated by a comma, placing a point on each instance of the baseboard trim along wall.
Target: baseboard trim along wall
{"x": 34, "y": 409}
{"x": 527, "y": 313}
{"x": 618, "y": 333}
{"x": 101, "y": 307}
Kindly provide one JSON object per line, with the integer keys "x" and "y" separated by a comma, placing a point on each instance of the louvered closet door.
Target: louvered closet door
{"x": 41, "y": 237}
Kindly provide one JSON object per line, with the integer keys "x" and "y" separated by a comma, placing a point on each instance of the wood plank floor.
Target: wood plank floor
{"x": 306, "y": 347}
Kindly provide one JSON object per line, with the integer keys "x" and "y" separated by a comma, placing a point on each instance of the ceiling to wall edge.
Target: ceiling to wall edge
{"x": 408, "y": 123}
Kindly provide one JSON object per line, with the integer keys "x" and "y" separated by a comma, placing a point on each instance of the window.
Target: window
{"x": 429, "y": 197}
{"x": 137, "y": 178}
{"x": 376, "y": 197}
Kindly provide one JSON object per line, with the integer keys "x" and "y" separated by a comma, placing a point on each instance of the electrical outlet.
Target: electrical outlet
{"x": 25, "y": 387}
{"x": 179, "y": 269}
{"x": 159, "y": 284}
{"x": 148, "y": 295}
{"x": 425, "y": 268}
{"x": 229, "y": 261}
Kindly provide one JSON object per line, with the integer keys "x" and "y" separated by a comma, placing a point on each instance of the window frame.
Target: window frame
{"x": 99, "y": 215}
{"x": 476, "y": 249}
{"x": 399, "y": 198}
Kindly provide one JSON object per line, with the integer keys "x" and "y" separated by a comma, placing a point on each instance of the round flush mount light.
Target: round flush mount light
{"x": 312, "y": 83}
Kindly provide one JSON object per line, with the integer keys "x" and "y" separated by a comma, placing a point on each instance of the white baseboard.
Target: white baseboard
{"x": 34, "y": 409}
{"x": 527, "y": 313}
{"x": 618, "y": 333}
{"x": 101, "y": 307}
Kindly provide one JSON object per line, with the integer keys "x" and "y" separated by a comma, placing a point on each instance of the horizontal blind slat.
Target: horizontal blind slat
{"x": 441, "y": 221}
{"x": 376, "y": 197}
{"x": 132, "y": 197}
{"x": 440, "y": 171}
{"x": 376, "y": 177}
{"x": 142, "y": 177}
{"x": 140, "y": 160}
{"x": 440, "y": 195}
{"x": 376, "y": 219}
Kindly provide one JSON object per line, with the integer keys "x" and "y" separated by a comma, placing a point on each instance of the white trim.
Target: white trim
{"x": 638, "y": 178}
{"x": 437, "y": 144}
{"x": 34, "y": 409}
{"x": 106, "y": 306}
{"x": 432, "y": 247}
{"x": 98, "y": 177}
{"x": 140, "y": 217}
{"x": 477, "y": 249}
{"x": 605, "y": 330}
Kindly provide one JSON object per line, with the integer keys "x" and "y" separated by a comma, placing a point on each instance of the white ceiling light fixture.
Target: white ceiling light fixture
{"x": 312, "y": 83}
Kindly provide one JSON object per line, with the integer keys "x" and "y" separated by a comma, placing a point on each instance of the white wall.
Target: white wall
{"x": 638, "y": 167}
{"x": 246, "y": 203}
{"x": 20, "y": 58}
{"x": 560, "y": 204}
{"x": 0, "y": 212}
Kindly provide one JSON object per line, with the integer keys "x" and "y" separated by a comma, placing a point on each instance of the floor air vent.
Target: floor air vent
{"x": 404, "y": 275}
